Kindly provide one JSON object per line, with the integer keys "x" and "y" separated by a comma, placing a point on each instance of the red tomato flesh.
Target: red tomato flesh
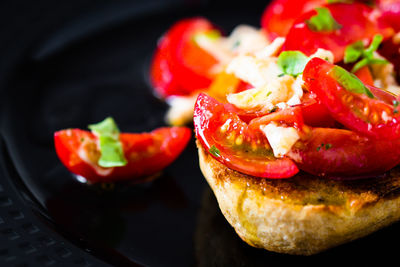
{"x": 230, "y": 141}
{"x": 344, "y": 153}
{"x": 146, "y": 153}
{"x": 372, "y": 117}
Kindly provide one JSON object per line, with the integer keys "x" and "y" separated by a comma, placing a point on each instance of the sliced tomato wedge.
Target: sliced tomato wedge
{"x": 146, "y": 153}
{"x": 357, "y": 23}
{"x": 344, "y": 153}
{"x": 371, "y": 116}
{"x": 180, "y": 66}
{"x": 279, "y": 16}
{"x": 230, "y": 141}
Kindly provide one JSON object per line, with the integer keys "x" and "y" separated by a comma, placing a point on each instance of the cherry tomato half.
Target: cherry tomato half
{"x": 146, "y": 153}
{"x": 370, "y": 115}
{"x": 230, "y": 141}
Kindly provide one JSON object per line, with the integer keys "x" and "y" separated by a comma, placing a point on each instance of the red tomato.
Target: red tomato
{"x": 179, "y": 65}
{"x": 230, "y": 141}
{"x": 279, "y": 16}
{"x": 162, "y": 77}
{"x": 365, "y": 75}
{"x": 314, "y": 113}
{"x": 372, "y": 117}
{"x": 390, "y": 12}
{"x": 146, "y": 153}
{"x": 357, "y": 21}
{"x": 344, "y": 153}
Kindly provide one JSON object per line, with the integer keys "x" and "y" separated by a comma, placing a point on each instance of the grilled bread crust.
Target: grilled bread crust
{"x": 305, "y": 214}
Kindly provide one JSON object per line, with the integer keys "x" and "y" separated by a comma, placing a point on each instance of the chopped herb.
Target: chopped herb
{"x": 323, "y": 21}
{"x": 353, "y": 52}
{"x": 328, "y": 146}
{"x": 357, "y": 51}
{"x": 275, "y": 108}
{"x": 349, "y": 81}
{"x": 281, "y": 75}
{"x": 214, "y": 151}
{"x": 396, "y": 103}
{"x": 112, "y": 154}
{"x": 82, "y": 139}
{"x": 340, "y": 1}
{"x": 292, "y": 62}
{"x": 395, "y": 111}
{"x": 269, "y": 93}
{"x": 236, "y": 44}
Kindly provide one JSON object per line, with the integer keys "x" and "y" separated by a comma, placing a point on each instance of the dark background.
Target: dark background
{"x": 70, "y": 63}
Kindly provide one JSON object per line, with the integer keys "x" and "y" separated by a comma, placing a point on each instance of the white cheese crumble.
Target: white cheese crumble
{"x": 243, "y": 39}
{"x": 281, "y": 139}
{"x": 254, "y": 71}
{"x": 271, "y": 49}
{"x": 266, "y": 97}
{"x": 323, "y": 54}
{"x": 181, "y": 109}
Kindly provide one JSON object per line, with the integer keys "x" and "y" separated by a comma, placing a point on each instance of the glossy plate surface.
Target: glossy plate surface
{"x": 79, "y": 76}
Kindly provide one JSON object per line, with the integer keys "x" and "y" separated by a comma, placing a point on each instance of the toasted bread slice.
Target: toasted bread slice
{"x": 305, "y": 214}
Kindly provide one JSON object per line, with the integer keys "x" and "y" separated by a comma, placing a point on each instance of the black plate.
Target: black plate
{"x": 95, "y": 68}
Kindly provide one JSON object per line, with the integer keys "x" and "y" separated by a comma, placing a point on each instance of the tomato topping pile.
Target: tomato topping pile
{"x": 145, "y": 153}
{"x": 339, "y": 124}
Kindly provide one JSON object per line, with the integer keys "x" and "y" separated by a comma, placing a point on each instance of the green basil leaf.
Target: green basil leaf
{"x": 376, "y": 41}
{"x": 292, "y": 62}
{"x": 214, "y": 151}
{"x": 353, "y": 52}
{"x": 340, "y": 1}
{"x": 360, "y": 64}
{"x": 323, "y": 21}
{"x": 112, "y": 154}
{"x": 349, "y": 81}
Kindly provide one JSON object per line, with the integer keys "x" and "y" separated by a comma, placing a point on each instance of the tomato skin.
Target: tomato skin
{"x": 390, "y": 12}
{"x": 279, "y": 16}
{"x": 372, "y": 117}
{"x": 348, "y": 154}
{"x": 357, "y": 24}
{"x": 365, "y": 75}
{"x": 314, "y": 113}
{"x": 179, "y": 65}
{"x": 252, "y": 155}
{"x": 162, "y": 77}
{"x": 146, "y": 153}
